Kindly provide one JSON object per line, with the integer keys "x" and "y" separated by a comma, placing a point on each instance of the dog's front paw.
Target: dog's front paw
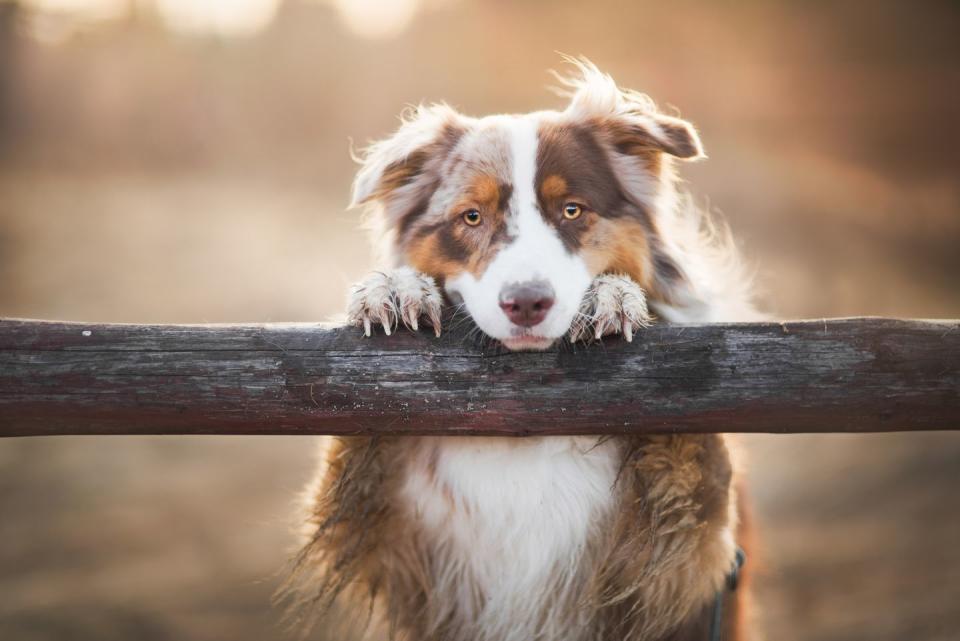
{"x": 385, "y": 298}
{"x": 612, "y": 305}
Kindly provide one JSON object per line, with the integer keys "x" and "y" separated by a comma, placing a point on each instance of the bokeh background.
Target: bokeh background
{"x": 188, "y": 161}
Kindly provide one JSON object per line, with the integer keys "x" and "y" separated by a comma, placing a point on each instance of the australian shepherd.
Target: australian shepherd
{"x": 543, "y": 227}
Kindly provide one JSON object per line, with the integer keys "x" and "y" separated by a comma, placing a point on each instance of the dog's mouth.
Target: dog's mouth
{"x": 527, "y": 343}
{"x": 525, "y": 340}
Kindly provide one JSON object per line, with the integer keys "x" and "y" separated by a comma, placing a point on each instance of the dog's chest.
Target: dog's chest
{"x": 510, "y": 515}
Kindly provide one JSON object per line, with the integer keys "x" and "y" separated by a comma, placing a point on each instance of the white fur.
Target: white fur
{"x": 512, "y": 515}
{"x": 535, "y": 253}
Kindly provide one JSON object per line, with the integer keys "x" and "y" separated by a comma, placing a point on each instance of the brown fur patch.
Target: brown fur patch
{"x": 427, "y": 254}
{"x": 485, "y": 191}
{"x": 553, "y": 188}
{"x": 619, "y": 246}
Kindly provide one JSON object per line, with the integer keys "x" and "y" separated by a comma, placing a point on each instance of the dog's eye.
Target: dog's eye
{"x": 471, "y": 217}
{"x": 572, "y": 211}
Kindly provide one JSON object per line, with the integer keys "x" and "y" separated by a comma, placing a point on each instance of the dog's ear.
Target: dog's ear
{"x": 400, "y": 169}
{"x": 628, "y": 119}
{"x": 637, "y": 133}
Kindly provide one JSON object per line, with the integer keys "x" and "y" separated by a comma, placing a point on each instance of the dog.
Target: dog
{"x": 542, "y": 228}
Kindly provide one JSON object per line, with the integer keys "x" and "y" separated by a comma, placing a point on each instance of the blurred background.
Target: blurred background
{"x": 188, "y": 161}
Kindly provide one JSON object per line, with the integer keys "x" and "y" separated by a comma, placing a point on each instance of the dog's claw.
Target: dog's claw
{"x": 385, "y": 321}
{"x": 433, "y": 314}
{"x": 612, "y": 305}
{"x": 389, "y": 299}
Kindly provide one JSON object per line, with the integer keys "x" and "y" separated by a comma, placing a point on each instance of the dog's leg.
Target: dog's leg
{"x": 613, "y": 304}
{"x": 387, "y": 298}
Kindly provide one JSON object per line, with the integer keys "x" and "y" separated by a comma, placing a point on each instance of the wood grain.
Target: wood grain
{"x": 840, "y": 375}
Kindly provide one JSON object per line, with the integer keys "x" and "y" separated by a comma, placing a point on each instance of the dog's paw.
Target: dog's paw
{"x": 612, "y": 305}
{"x": 386, "y": 298}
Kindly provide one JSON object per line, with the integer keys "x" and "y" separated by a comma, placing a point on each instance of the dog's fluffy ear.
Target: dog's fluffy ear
{"x": 638, "y": 133}
{"x": 401, "y": 168}
{"x": 630, "y": 118}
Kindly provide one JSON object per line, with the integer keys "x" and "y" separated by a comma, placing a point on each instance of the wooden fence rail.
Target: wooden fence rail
{"x": 841, "y": 375}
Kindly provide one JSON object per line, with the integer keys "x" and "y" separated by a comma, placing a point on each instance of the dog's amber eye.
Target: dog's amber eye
{"x": 572, "y": 211}
{"x": 471, "y": 217}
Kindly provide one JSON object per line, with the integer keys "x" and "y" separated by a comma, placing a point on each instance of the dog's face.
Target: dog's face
{"x": 515, "y": 215}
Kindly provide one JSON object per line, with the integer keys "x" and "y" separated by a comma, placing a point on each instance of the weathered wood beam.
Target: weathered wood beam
{"x": 844, "y": 375}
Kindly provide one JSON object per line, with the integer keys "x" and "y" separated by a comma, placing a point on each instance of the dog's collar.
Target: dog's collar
{"x": 716, "y": 622}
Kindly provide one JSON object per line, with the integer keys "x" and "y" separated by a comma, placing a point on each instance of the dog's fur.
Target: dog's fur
{"x": 554, "y": 538}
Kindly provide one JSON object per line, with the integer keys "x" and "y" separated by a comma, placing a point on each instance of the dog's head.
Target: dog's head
{"x": 516, "y": 214}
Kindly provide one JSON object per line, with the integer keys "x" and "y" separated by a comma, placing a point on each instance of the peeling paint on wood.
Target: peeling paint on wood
{"x": 841, "y": 375}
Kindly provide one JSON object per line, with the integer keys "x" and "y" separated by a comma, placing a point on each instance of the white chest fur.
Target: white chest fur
{"x": 508, "y": 520}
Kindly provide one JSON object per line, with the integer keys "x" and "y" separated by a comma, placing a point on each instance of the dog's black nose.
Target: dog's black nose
{"x": 527, "y": 304}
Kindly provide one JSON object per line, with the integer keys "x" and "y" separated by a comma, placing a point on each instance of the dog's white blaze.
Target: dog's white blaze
{"x": 513, "y": 518}
{"x": 523, "y": 154}
{"x": 534, "y": 253}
